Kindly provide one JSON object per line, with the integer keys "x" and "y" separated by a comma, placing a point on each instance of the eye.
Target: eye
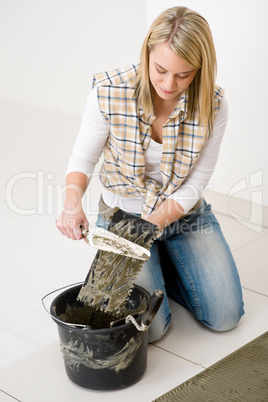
{"x": 160, "y": 72}
{"x": 183, "y": 78}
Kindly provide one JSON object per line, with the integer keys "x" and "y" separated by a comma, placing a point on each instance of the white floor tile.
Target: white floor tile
{"x": 189, "y": 339}
{"x": 6, "y": 398}
{"x": 41, "y": 377}
{"x": 252, "y": 263}
{"x": 34, "y": 263}
{"x": 238, "y": 235}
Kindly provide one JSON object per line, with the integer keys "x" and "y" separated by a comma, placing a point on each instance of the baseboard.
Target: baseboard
{"x": 247, "y": 213}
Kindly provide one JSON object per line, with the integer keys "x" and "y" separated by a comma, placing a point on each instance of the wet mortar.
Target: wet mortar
{"x": 104, "y": 296}
{"x": 81, "y": 314}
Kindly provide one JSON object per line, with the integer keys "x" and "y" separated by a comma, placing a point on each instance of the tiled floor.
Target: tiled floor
{"x": 36, "y": 259}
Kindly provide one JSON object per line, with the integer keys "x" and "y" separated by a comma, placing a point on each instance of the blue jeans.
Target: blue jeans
{"x": 193, "y": 265}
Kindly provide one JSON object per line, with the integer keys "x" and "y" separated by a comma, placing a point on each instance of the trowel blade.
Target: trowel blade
{"x": 107, "y": 241}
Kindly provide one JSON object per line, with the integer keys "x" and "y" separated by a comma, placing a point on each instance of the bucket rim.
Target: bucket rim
{"x": 81, "y": 327}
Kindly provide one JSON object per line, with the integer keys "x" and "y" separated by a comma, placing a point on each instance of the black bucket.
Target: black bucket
{"x": 107, "y": 358}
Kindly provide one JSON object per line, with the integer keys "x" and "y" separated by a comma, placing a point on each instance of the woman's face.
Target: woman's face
{"x": 169, "y": 74}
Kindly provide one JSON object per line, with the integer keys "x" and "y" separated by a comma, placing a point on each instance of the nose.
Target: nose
{"x": 170, "y": 83}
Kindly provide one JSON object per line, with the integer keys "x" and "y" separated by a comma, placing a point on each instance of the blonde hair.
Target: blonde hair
{"x": 189, "y": 36}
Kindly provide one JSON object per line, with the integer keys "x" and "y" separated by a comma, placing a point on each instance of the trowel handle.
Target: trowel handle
{"x": 154, "y": 305}
{"x": 83, "y": 231}
{"x": 86, "y": 233}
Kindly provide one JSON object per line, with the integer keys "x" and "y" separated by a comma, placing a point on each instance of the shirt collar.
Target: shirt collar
{"x": 180, "y": 108}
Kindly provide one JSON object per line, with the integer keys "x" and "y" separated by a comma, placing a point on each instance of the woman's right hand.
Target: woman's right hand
{"x": 73, "y": 217}
{"x": 71, "y": 221}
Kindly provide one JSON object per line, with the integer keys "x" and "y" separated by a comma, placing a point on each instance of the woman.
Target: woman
{"x": 160, "y": 125}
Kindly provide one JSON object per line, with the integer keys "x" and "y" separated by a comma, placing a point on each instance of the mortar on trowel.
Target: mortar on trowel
{"x": 114, "y": 356}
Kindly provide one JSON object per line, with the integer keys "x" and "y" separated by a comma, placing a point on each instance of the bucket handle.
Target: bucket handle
{"x": 84, "y": 327}
{"x": 153, "y": 307}
{"x": 148, "y": 316}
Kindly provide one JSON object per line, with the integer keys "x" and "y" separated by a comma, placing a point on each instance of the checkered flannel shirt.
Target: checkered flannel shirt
{"x": 123, "y": 170}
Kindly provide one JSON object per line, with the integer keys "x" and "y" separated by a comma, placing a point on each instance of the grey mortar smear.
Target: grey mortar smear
{"x": 76, "y": 353}
{"x": 111, "y": 276}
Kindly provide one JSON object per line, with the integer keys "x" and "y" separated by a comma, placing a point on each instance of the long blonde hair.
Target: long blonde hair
{"x": 189, "y": 36}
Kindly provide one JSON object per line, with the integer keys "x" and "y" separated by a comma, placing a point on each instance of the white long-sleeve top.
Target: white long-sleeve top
{"x": 93, "y": 134}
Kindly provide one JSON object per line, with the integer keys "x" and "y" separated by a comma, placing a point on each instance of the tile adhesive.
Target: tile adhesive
{"x": 109, "y": 282}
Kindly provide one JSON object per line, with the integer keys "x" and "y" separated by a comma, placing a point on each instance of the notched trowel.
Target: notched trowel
{"x": 111, "y": 277}
{"x": 107, "y": 241}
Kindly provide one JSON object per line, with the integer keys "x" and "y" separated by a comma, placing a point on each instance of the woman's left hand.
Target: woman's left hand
{"x": 168, "y": 212}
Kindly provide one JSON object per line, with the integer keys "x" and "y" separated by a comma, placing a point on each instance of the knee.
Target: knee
{"x": 225, "y": 323}
{"x": 224, "y": 318}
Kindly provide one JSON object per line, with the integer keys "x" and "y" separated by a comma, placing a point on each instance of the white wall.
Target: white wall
{"x": 50, "y": 48}
{"x": 240, "y": 32}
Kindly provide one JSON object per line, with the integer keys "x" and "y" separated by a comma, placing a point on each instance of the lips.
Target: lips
{"x": 167, "y": 92}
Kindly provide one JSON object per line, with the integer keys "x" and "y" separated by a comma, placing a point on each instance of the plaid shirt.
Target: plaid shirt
{"x": 123, "y": 170}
